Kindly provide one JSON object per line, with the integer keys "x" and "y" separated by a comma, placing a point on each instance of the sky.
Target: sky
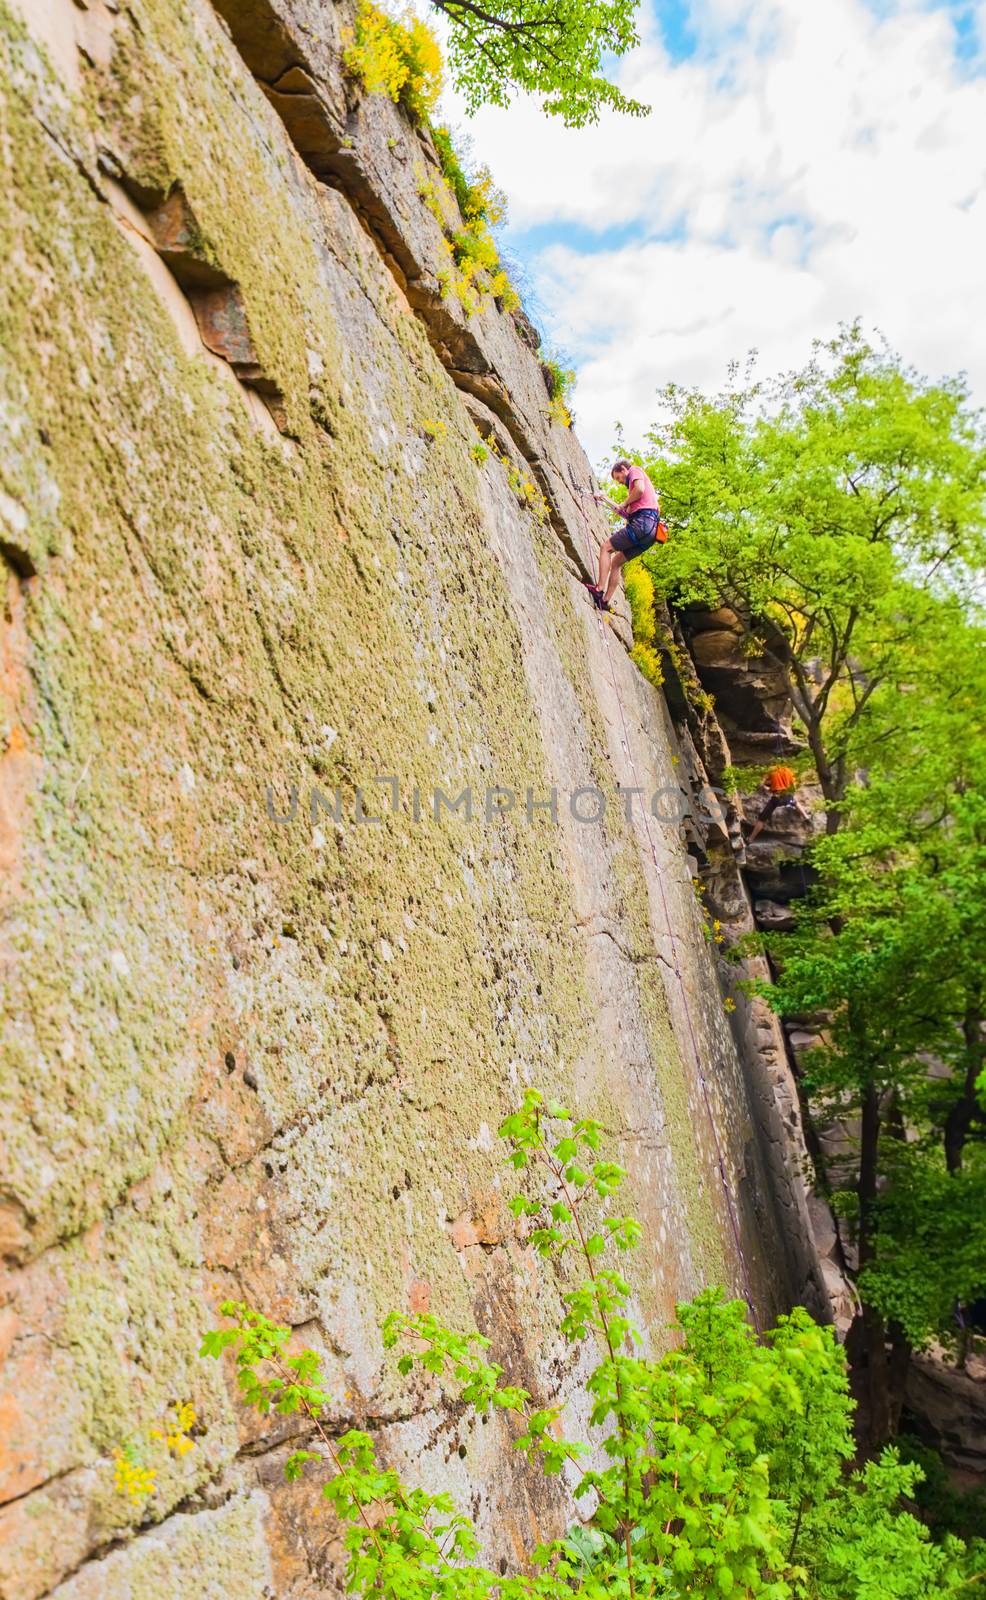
{"x": 804, "y": 163}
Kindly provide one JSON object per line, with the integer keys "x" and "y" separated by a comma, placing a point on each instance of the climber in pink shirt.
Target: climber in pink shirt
{"x": 641, "y": 510}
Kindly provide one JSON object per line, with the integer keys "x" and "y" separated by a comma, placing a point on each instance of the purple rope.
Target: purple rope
{"x": 733, "y": 1221}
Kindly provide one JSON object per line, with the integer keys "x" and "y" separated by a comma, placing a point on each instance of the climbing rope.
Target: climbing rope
{"x": 696, "y": 1053}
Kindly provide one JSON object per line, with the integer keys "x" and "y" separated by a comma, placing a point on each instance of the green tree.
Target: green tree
{"x": 719, "y": 1468}
{"x": 887, "y": 948}
{"x": 554, "y": 49}
{"x": 840, "y": 512}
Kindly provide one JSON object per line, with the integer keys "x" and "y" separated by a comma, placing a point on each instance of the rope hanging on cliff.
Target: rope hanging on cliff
{"x": 696, "y": 1053}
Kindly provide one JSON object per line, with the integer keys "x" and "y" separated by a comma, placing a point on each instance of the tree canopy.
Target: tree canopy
{"x": 554, "y": 49}
{"x": 887, "y": 948}
{"x": 840, "y": 511}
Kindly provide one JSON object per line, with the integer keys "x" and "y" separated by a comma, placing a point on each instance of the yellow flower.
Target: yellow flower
{"x": 398, "y": 58}
{"x": 131, "y": 1479}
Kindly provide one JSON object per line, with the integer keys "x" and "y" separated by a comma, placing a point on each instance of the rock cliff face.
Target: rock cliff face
{"x": 264, "y": 598}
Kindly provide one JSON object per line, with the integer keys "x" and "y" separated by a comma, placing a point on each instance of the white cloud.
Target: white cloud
{"x": 807, "y": 164}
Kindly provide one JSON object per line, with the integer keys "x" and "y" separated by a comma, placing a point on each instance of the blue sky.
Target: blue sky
{"x": 677, "y": 29}
{"x": 802, "y": 164}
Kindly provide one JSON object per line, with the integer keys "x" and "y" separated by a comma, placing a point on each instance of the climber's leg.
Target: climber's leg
{"x": 764, "y": 816}
{"x": 617, "y": 560}
{"x": 606, "y": 553}
{"x": 767, "y": 812}
{"x": 627, "y": 543}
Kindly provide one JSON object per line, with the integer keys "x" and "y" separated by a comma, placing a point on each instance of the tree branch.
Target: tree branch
{"x": 525, "y": 28}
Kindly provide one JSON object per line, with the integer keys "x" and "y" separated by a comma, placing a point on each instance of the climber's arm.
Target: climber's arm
{"x": 627, "y": 508}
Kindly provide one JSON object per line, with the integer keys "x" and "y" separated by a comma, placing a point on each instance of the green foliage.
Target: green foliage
{"x": 553, "y": 49}
{"x": 477, "y": 260}
{"x": 720, "y": 1468}
{"x": 467, "y": 206}
{"x": 943, "y": 1507}
{"x": 468, "y": 195}
{"x": 560, "y": 383}
{"x": 475, "y": 192}
{"x": 889, "y": 947}
{"x": 741, "y": 780}
{"x": 866, "y": 1548}
{"x": 840, "y": 512}
{"x": 930, "y": 1243}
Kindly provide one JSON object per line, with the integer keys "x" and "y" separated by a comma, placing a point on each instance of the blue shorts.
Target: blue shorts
{"x": 638, "y": 535}
{"x": 777, "y": 802}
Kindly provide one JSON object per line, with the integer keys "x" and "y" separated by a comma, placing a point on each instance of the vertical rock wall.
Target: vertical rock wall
{"x": 256, "y": 1043}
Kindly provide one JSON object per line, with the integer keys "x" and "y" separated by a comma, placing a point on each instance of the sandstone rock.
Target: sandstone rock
{"x": 480, "y": 1225}
{"x": 950, "y": 1408}
{"x": 800, "y": 1039}
{"x": 750, "y": 691}
{"x": 15, "y": 1236}
{"x": 842, "y": 1299}
{"x": 253, "y": 1101}
{"x": 199, "y": 1556}
{"x": 772, "y": 916}
{"x": 31, "y": 496}
{"x": 721, "y": 619}
{"x": 823, "y": 1227}
{"x": 312, "y": 122}
{"x": 46, "y": 1535}
{"x": 712, "y": 647}
{"x": 776, "y": 878}
{"x": 180, "y": 243}
{"x": 222, "y": 319}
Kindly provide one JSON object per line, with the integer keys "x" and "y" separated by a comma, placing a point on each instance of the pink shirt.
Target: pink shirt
{"x": 648, "y": 500}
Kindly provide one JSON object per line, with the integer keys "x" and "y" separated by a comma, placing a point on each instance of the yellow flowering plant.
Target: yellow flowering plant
{"x": 175, "y": 1434}
{"x": 639, "y": 589}
{"x": 475, "y": 273}
{"x": 398, "y": 56}
{"x": 132, "y": 1476}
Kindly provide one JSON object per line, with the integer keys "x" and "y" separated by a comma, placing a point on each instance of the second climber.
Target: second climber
{"x": 781, "y": 786}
